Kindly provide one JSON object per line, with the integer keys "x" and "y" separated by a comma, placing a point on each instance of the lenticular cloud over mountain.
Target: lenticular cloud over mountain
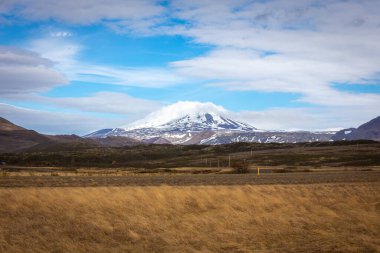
{"x": 176, "y": 111}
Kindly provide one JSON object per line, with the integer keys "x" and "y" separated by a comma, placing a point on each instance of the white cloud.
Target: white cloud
{"x": 175, "y": 111}
{"x": 62, "y": 34}
{"x": 82, "y": 11}
{"x": 22, "y": 71}
{"x": 299, "y": 46}
{"x": 59, "y": 50}
{"x": 106, "y": 102}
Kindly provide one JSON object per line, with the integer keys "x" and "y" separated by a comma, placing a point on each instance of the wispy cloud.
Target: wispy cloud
{"x": 105, "y": 102}
{"x": 61, "y": 34}
{"x": 68, "y": 62}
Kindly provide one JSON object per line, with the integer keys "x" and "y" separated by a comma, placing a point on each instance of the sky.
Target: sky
{"x": 78, "y": 66}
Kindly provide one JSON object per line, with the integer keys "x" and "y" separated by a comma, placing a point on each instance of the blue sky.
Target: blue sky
{"x": 66, "y": 67}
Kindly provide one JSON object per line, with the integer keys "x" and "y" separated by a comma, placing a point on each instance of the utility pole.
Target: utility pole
{"x": 229, "y": 161}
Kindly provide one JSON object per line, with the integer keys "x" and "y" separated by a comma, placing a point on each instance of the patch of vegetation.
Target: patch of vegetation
{"x": 240, "y": 167}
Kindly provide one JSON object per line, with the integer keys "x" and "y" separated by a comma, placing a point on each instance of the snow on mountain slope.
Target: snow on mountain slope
{"x": 204, "y": 121}
{"x": 103, "y": 133}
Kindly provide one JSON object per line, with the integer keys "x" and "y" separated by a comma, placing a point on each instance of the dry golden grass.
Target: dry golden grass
{"x": 291, "y": 218}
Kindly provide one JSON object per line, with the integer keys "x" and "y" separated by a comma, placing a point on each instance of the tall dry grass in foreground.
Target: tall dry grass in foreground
{"x": 299, "y": 218}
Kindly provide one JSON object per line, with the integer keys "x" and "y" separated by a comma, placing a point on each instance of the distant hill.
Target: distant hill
{"x": 367, "y": 131}
{"x": 15, "y": 138}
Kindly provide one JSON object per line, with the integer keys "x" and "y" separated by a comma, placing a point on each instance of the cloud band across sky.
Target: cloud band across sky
{"x": 110, "y": 61}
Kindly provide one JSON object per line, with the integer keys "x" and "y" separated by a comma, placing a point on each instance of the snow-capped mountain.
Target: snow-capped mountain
{"x": 178, "y": 123}
{"x": 180, "y": 130}
{"x": 201, "y": 123}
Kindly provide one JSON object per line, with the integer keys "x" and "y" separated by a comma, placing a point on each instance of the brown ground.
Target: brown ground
{"x": 177, "y": 179}
{"x": 260, "y": 218}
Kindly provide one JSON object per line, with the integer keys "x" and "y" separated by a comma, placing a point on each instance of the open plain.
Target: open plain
{"x": 326, "y": 217}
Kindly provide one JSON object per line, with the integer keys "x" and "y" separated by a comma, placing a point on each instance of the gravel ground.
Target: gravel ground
{"x": 191, "y": 179}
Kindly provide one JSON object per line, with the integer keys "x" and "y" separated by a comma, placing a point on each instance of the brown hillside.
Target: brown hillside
{"x": 6, "y": 125}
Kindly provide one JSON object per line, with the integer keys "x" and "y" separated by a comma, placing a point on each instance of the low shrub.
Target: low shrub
{"x": 240, "y": 167}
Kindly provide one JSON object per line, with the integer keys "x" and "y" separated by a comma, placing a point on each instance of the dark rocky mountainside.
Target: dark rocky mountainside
{"x": 367, "y": 131}
{"x": 14, "y": 138}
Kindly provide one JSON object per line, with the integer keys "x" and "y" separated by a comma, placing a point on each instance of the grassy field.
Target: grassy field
{"x": 58, "y": 179}
{"x": 265, "y": 218}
